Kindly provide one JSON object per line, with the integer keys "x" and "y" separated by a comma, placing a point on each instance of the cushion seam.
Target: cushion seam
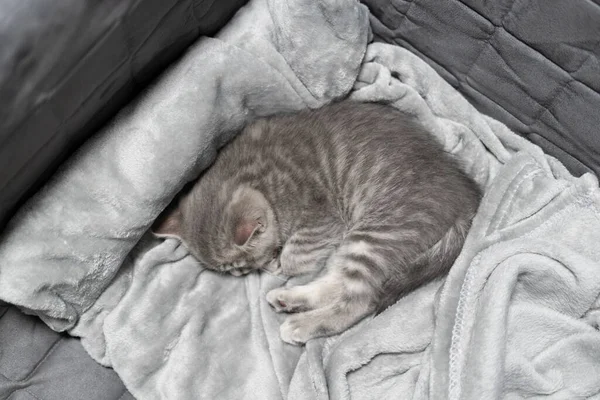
{"x": 37, "y": 364}
{"x": 158, "y": 24}
{"x": 464, "y": 85}
{"x": 192, "y": 12}
{"x": 405, "y": 14}
{"x": 24, "y": 390}
{"x": 31, "y": 394}
{"x": 123, "y": 394}
{"x": 561, "y": 150}
{"x": 43, "y": 359}
{"x": 487, "y": 43}
{"x": 546, "y": 106}
{"x": 128, "y": 45}
{"x": 512, "y": 35}
{"x": 527, "y": 45}
{"x": 208, "y": 10}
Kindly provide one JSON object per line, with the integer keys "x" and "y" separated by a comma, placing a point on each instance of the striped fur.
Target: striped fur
{"x": 358, "y": 188}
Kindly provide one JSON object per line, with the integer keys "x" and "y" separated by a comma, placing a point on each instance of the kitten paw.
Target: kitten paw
{"x": 240, "y": 272}
{"x": 276, "y": 299}
{"x": 286, "y": 300}
{"x": 293, "y": 331}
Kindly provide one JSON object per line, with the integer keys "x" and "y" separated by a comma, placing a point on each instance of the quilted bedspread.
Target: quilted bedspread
{"x": 532, "y": 64}
{"x": 37, "y": 363}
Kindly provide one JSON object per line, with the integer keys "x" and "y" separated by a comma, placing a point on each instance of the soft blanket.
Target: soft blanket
{"x": 515, "y": 318}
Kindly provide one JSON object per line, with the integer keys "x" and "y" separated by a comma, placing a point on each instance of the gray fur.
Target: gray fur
{"x": 360, "y": 188}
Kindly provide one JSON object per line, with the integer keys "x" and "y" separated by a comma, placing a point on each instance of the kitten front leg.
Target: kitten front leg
{"x": 297, "y": 258}
{"x": 347, "y": 293}
{"x": 299, "y": 328}
{"x": 307, "y": 249}
{"x": 333, "y": 307}
{"x": 295, "y": 299}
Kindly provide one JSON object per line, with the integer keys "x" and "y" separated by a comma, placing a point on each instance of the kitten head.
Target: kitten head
{"x": 234, "y": 231}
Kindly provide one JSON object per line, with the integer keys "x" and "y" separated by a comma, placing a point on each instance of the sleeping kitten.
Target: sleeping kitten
{"x": 358, "y": 188}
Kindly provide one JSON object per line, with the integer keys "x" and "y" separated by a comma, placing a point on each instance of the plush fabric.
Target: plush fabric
{"x": 102, "y": 201}
{"x": 67, "y": 244}
{"x": 66, "y": 66}
{"x": 515, "y": 318}
{"x": 532, "y": 64}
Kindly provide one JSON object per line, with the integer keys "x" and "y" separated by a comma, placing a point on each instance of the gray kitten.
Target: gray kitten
{"x": 359, "y": 188}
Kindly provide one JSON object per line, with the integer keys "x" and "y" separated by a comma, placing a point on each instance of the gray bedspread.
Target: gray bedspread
{"x": 532, "y": 64}
{"x": 515, "y": 318}
{"x": 37, "y": 363}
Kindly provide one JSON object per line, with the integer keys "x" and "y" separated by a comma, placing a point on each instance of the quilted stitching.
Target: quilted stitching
{"x": 527, "y": 107}
{"x": 529, "y": 46}
{"x": 57, "y": 368}
{"x": 17, "y": 362}
{"x": 486, "y": 42}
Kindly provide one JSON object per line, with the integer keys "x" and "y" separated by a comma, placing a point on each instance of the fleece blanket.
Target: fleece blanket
{"x": 516, "y": 317}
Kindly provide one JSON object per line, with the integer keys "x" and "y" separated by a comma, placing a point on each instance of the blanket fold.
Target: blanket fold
{"x": 64, "y": 247}
{"x": 516, "y": 317}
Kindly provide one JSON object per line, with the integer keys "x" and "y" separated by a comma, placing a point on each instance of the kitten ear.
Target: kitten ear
{"x": 168, "y": 224}
{"x": 244, "y": 230}
{"x": 248, "y": 215}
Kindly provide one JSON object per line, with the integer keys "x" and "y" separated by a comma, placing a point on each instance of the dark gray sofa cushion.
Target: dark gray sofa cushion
{"x": 68, "y": 65}
{"x": 532, "y": 64}
{"x": 37, "y": 363}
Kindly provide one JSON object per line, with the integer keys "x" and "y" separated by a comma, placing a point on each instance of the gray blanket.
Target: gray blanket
{"x": 515, "y": 318}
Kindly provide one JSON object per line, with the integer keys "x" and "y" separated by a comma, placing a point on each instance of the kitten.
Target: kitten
{"x": 359, "y": 188}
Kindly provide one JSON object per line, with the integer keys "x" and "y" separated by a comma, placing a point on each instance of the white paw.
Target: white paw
{"x": 292, "y": 332}
{"x": 240, "y": 271}
{"x": 275, "y": 299}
